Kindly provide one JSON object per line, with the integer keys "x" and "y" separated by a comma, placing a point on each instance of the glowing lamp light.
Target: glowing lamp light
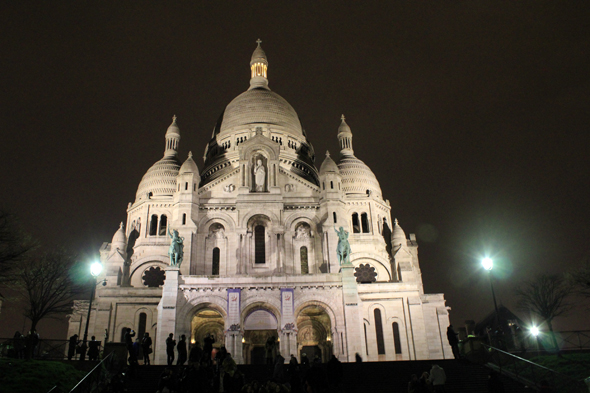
{"x": 243, "y": 340}
{"x": 487, "y": 263}
{"x": 193, "y": 341}
{"x": 535, "y": 331}
{"x": 95, "y": 269}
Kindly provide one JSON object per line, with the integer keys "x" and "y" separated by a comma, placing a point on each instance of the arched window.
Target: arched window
{"x": 154, "y": 225}
{"x": 399, "y": 272}
{"x": 356, "y": 227}
{"x": 304, "y": 264}
{"x": 163, "y": 223}
{"x": 379, "y": 332}
{"x": 331, "y": 184}
{"x": 186, "y": 186}
{"x": 141, "y": 325}
{"x": 183, "y": 218}
{"x": 396, "y": 340}
{"x": 194, "y": 186}
{"x": 215, "y": 264}
{"x": 365, "y": 222}
{"x": 335, "y": 221}
{"x": 259, "y": 245}
{"x": 324, "y": 185}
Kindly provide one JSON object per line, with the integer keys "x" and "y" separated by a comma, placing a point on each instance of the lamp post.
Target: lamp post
{"x": 535, "y": 332}
{"x": 95, "y": 270}
{"x": 488, "y": 264}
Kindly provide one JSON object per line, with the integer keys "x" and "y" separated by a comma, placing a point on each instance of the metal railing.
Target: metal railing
{"x": 529, "y": 373}
{"x": 46, "y": 349}
{"x": 98, "y": 378}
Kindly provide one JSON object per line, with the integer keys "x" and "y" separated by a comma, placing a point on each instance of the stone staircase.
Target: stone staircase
{"x": 374, "y": 377}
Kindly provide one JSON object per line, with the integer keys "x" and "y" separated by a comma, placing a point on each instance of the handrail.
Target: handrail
{"x": 100, "y": 364}
{"x": 529, "y": 372}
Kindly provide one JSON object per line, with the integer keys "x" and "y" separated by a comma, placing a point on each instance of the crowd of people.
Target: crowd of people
{"x": 25, "y": 346}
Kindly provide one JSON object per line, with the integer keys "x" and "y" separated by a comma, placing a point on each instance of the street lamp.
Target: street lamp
{"x": 488, "y": 264}
{"x": 535, "y": 332}
{"x": 95, "y": 270}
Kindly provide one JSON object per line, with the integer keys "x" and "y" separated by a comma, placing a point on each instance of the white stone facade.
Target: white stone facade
{"x": 258, "y": 226}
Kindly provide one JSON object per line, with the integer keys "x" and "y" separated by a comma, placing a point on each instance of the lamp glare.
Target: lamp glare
{"x": 535, "y": 331}
{"x": 487, "y": 263}
{"x": 95, "y": 269}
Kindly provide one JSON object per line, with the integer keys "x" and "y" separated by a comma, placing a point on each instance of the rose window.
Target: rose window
{"x": 365, "y": 273}
{"x": 154, "y": 277}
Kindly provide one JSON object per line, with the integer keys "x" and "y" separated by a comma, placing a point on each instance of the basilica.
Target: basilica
{"x": 256, "y": 242}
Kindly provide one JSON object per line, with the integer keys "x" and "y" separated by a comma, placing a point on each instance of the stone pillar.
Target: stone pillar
{"x": 352, "y": 312}
{"x": 167, "y": 313}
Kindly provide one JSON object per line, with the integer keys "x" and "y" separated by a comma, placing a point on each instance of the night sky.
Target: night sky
{"x": 473, "y": 116}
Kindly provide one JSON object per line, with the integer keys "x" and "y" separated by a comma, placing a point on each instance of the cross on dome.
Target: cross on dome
{"x": 174, "y": 119}
{"x": 259, "y": 41}
{"x": 342, "y": 118}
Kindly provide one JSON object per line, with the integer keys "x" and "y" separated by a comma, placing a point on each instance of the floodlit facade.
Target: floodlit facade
{"x": 259, "y": 223}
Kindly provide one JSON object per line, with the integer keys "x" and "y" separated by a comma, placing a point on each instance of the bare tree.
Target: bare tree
{"x": 580, "y": 278}
{"x": 547, "y": 296}
{"x": 45, "y": 283}
{"x": 14, "y": 245}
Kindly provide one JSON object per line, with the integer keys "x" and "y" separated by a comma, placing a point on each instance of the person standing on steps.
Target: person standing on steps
{"x": 93, "y": 351}
{"x": 453, "y": 341}
{"x": 146, "y": 344}
{"x": 181, "y": 349}
{"x": 170, "y": 344}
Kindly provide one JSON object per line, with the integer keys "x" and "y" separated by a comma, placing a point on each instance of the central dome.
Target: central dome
{"x": 260, "y": 106}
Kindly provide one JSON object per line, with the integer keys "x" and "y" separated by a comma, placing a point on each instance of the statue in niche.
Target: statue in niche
{"x": 217, "y": 231}
{"x": 343, "y": 247}
{"x": 259, "y": 176}
{"x": 302, "y": 232}
{"x": 175, "y": 252}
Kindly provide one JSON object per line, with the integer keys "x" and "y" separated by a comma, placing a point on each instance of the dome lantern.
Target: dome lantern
{"x": 345, "y": 138}
{"x": 258, "y": 68}
{"x": 172, "y": 139}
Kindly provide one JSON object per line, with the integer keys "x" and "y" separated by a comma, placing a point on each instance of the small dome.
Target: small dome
{"x": 357, "y": 178}
{"x": 260, "y": 106}
{"x": 258, "y": 55}
{"x": 344, "y": 128}
{"x": 160, "y": 179}
{"x": 119, "y": 239}
{"x": 329, "y": 165}
{"x": 173, "y": 128}
{"x": 398, "y": 236}
{"x": 189, "y": 166}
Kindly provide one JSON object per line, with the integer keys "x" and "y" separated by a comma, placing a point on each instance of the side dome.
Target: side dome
{"x": 160, "y": 179}
{"x": 357, "y": 178}
{"x": 189, "y": 166}
{"x": 329, "y": 166}
{"x": 260, "y": 106}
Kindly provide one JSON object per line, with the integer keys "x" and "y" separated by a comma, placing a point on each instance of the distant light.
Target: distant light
{"x": 243, "y": 340}
{"x": 487, "y": 263}
{"x": 535, "y": 331}
{"x": 193, "y": 341}
{"x": 95, "y": 269}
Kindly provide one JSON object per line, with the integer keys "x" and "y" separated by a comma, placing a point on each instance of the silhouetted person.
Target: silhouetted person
{"x": 72, "y": 346}
{"x": 195, "y": 354}
{"x": 170, "y": 344}
{"x": 146, "y": 346}
{"x": 335, "y": 373}
{"x": 208, "y": 342}
{"x": 453, "y": 341}
{"x": 93, "y": 351}
{"x": 414, "y": 384}
{"x": 269, "y": 348}
{"x": 358, "y": 358}
{"x": 279, "y": 372}
{"x": 181, "y": 349}
{"x": 129, "y": 334}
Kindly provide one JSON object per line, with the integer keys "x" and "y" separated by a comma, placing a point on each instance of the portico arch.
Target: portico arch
{"x": 315, "y": 329}
{"x": 260, "y": 323}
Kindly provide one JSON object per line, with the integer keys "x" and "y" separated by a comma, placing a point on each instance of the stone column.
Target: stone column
{"x": 167, "y": 313}
{"x": 352, "y": 312}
